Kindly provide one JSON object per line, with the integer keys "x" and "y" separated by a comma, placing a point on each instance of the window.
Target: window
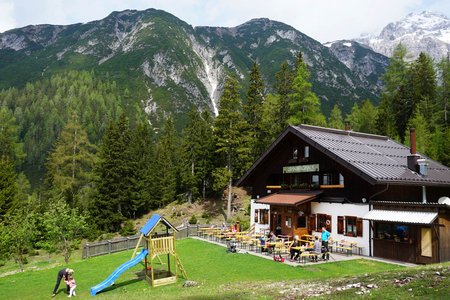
{"x": 288, "y": 222}
{"x": 256, "y": 216}
{"x": 341, "y": 179}
{"x": 396, "y": 232}
{"x": 301, "y": 222}
{"x": 350, "y": 226}
{"x": 326, "y": 179}
{"x": 323, "y": 221}
{"x": 315, "y": 179}
{"x": 263, "y": 216}
{"x": 295, "y": 153}
{"x": 306, "y": 153}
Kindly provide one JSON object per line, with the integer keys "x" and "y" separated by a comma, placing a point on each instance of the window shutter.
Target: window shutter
{"x": 359, "y": 227}
{"x": 312, "y": 222}
{"x": 340, "y": 225}
{"x": 329, "y": 228}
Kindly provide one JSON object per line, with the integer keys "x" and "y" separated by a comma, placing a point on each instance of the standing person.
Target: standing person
{"x": 72, "y": 285}
{"x": 325, "y": 237}
{"x": 62, "y": 273}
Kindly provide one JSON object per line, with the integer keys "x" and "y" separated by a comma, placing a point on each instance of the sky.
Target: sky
{"x": 323, "y": 20}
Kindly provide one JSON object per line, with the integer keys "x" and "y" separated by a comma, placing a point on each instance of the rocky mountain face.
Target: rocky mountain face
{"x": 167, "y": 66}
{"x": 367, "y": 64}
{"x": 419, "y": 32}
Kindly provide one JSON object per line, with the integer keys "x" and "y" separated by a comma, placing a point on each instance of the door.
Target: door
{"x": 300, "y": 225}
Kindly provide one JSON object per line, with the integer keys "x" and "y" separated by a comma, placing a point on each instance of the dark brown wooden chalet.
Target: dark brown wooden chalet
{"x": 358, "y": 185}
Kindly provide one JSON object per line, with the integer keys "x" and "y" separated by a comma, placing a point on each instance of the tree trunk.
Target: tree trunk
{"x": 229, "y": 198}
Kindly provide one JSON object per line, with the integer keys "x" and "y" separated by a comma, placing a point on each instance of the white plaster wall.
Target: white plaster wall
{"x": 338, "y": 209}
{"x": 259, "y": 228}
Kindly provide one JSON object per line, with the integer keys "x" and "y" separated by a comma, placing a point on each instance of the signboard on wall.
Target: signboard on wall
{"x": 301, "y": 169}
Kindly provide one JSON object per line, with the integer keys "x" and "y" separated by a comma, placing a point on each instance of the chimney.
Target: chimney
{"x": 412, "y": 141}
{"x": 413, "y": 157}
{"x": 347, "y": 126}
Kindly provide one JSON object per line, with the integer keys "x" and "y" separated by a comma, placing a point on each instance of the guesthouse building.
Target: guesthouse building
{"x": 366, "y": 189}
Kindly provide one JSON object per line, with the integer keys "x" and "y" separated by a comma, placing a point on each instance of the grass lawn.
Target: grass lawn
{"x": 220, "y": 275}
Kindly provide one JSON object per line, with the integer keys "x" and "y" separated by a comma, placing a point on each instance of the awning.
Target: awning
{"x": 413, "y": 217}
{"x": 289, "y": 199}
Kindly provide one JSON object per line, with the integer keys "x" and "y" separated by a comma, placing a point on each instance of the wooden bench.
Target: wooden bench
{"x": 307, "y": 255}
{"x": 346, "y": 249}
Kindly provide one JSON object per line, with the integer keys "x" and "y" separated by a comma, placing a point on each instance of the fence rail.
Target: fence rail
{"x": 127, "y": 243}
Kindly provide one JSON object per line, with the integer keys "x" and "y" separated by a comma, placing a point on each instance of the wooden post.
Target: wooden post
{"x": 137, "y": 246}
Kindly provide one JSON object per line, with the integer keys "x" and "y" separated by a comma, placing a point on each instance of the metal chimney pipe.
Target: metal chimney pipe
{"x": 412, "y": 141}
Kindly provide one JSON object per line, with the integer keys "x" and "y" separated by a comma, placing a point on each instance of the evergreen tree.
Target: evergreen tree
{"x": 115, "y": 177}
{"x": 70, "y": 165}
{"x": 198, "y": 148}
{"x": 363, "y": 118}
{"x": 396, "y": 104}
{"x": 8, "y": 186}
{"x": 423, "y": 77}
{"x": 423, "y": 135}
{"x": 305, "y": 104}
{"x": 253, "y": 107}
{"x": 443, "y": 98}
{"x": 270, "y": 122}
{"x": 143, "y": 154}
{"x": 283, "y": 86}
{"x": 10, "y": 147}
{"x": 232, "y": 141}
{"x": 167, "y": 164}
{"x": 336, "y": 120}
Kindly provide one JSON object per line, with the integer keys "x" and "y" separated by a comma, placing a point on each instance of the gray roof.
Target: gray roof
{"x": 376, "y": 158}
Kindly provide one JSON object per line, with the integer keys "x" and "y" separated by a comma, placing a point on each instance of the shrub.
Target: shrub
{"x": 128, "y": 228}
{"x": 193, "y": 220}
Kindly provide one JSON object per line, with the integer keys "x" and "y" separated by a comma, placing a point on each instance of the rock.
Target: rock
{"x": 190, "y": 283}
{"x": 438, "y": 273}
{"x": 409, "y": 290}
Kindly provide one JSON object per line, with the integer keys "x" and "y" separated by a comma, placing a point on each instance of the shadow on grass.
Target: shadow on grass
{"x": 119, "y": 285}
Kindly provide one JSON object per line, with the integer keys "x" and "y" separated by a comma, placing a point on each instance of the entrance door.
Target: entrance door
{"x": 300, "y": 226}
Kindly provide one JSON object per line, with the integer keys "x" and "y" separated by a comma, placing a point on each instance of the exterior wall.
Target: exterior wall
{"x": 335, "y": 210}
{"x": 259, "y": 228}
{"x": 444, "y": 237}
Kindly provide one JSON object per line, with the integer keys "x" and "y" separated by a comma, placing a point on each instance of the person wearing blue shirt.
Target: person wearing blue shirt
{"x": 325, "y": 236}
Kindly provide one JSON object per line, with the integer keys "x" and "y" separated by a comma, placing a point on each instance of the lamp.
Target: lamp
{"x": 364, "y": 200}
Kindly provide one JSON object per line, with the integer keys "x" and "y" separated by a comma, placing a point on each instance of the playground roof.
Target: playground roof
{"x": 153, "y": 222}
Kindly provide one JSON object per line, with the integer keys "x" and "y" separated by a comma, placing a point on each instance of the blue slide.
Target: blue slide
{"x": 110, "y": 280}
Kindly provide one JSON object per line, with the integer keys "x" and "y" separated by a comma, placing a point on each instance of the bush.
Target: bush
{"x": 193, "y": 220}
{"x": 128, "y": 228}
{"x": 205, "y": 215}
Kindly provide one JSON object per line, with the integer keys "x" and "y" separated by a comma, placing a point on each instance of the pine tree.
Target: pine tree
{"x": 443, "y": 102}
{"x": 423, "y": 78}
{"x": 253, "y": 107}
{"x": 232, "y": 140}
{"x": 70, "y": 165}
{"x": 167, "y": 164}
{"x": 115, "y": 177}
{"x": 363, "y": 118}
{"x": 396, "y": 106}
{"x": 270, "y": 125}
{"x": 8, "y": 186}
{"x": 198, "y": 148}
{"x": 304, "y": 105}
{"x": 283, "y": 86}
{"x": 336, "y": 120}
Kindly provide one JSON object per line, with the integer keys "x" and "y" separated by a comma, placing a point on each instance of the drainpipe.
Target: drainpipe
{"x": 424, "y": 194}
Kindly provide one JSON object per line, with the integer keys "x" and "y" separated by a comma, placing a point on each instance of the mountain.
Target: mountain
{"x": 367, "y": 64}
{"x": 166, "y": 66}
{"x": 419, "y": 32}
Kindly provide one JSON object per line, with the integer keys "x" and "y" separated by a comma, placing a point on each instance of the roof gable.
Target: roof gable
{"x": 153, "y": 222}
{"x": 375, "y": 158}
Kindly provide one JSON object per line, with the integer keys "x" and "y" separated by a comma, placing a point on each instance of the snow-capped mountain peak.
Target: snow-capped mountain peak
{"x": 426, "y": 31}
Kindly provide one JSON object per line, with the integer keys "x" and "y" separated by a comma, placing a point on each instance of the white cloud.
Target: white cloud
{"x": 7, "y": 20}
{"x": 322, "y": 20}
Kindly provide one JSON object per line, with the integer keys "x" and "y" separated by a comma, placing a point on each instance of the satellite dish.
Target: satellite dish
{"x": 444, "y": 200}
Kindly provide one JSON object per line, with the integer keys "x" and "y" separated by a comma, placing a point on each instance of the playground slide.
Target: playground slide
{"x": 110, "y": 280}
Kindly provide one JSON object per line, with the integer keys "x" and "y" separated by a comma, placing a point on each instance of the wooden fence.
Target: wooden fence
{"x": 127, "y": 243}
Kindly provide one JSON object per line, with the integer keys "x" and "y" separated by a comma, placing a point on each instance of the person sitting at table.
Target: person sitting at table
{"x": 262, "y": 242}
{"x": 317, "y": 247}
{"x": 295, "y": 253}
{"x": 271, "y": 239}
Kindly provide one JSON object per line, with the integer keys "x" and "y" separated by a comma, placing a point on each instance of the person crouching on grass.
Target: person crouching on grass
{"x": 72, "y": 285}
